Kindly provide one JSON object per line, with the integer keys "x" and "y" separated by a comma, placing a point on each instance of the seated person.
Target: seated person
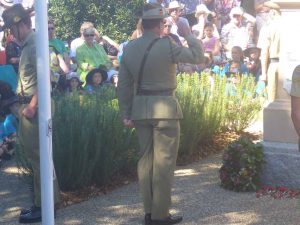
{"x": 211, "y": 43}
{"x": 236, "y": 65}
{"x": 95, "y": 80}
{"x": 13, "y": 52}
{"x": 233, "y": 69}
{"x": 91, "y": 55}
{"x": 238, "y": 32}
{"x": 73, "y": 83}
{"x": 58, "y": 70}
{"x": 253, "y": 61}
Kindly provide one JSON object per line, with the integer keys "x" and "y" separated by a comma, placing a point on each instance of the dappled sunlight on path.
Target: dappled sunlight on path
{"x": 196, "y": 194}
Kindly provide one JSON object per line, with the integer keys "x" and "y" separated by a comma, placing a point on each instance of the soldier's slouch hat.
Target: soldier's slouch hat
{"x": 154, "y": 11}
{"x": 14, "y": 15}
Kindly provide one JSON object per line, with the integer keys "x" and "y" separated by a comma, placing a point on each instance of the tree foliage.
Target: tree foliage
{"x": 116, "y": 19}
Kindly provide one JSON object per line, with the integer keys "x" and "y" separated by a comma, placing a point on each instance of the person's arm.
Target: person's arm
{"x": 249, "y": 18}
{"x": 194, "y": 52}
{"x": 295, "y": 113}
{"x": 217, "y": 46}
{"x": 125, "y": 92}
{"x": 30, "y": 110}
{"x": 263, "y": 43}
{"x": 62, "y": 64}
{"x": 111, "y": 42}
{"x": 200, "y": 26}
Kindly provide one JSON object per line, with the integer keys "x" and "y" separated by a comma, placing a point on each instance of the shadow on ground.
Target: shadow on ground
{"x": 196, "y": 194}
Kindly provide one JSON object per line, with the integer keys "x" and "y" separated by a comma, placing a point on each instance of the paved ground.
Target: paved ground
{"x": 196, "y": 194}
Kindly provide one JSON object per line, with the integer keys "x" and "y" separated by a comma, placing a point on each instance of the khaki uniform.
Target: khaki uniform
{"x": 28, "y": 130}
{"x": 270, "y": 42}
{"x": 156, "y": 116}
{"x": 295, "y": 89}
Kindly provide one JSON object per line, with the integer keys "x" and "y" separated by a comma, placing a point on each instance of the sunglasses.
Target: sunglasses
{"x": 173, "y": 10}
{"x": 89, "y": 35}
{"x": 51, "y": 28}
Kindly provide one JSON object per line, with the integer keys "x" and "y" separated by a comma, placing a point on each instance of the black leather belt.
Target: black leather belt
{"x": 156, "y": 93}
{"x": 274, "y": 60}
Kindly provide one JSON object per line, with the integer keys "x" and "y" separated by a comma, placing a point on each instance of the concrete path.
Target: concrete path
{"x": 197, "y": 195}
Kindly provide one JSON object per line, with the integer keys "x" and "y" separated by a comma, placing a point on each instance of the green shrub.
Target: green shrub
{"x": 242, "y": 104}
{"x": 242, "y": 164}
{"x": 90, "y": 142}
{"x": 203, "y": 111}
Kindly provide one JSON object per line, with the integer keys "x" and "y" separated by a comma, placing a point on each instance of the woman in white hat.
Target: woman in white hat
{"x": 203, "y": 16}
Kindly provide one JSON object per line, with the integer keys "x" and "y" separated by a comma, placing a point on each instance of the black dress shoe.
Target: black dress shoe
{"x": 148, "y": 219}
{"x": 25, "y": 211}
{"x": 167, "y": 221}
{"x": 32, "y": 215}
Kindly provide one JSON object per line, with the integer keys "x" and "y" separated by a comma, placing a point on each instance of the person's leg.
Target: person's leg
{"x": 165, "y": 143}
{"x": 28, "y": 134}
{"x": 144, "y": 130}
{"x": 272, "y": 81}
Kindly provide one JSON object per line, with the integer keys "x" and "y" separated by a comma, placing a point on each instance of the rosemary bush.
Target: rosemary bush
{"x": 203, "y": 111}
{"x": 242, "y": 103}
{"x": 90, "y": 143}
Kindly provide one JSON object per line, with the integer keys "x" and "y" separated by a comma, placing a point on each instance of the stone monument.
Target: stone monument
{"x": 279, "y": 135}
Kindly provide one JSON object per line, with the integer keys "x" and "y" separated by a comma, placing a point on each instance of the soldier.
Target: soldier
{"x": 17, "y": 19}
{"x": 295, "y": 101}
{"x": 269, "y": 42}
{"x": 147, "y": 102}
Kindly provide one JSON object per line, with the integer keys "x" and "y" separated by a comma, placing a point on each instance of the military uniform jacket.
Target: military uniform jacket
{"x": 159, "y": 74}
{"x": 27, "y": 67}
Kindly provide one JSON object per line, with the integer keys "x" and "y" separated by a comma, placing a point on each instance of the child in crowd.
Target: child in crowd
{"x": 233, "y": 69}
{"x": 94, "y": 80}
{"x": 253, "y": 62}
{"x": 73, "y": 83}
{"x": 254, "y": 65}
{"x": 211, "y": 43}
{"x": 236, "y": 65}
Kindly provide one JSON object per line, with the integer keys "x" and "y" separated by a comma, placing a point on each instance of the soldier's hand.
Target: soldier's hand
{"x": 29, "y": 112}
{"x": 128, "y": 123}
{"x": 184, "y": 29}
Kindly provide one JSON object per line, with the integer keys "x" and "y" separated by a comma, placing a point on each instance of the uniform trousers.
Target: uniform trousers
{"x": 159, "y": 142}
{"x": 28, "y": 136}
{"x": 272, "y": 80}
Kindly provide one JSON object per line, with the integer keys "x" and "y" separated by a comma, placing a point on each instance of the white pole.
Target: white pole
{"x": 45, "y": 122}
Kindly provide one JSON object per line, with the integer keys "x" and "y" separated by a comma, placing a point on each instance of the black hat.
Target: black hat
{"x": 14, "y": 15}
{"x": 247, "y": 51}
{"x": 89, "y": 76}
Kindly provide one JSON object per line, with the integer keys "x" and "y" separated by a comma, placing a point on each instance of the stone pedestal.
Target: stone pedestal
{"x": 279, "y": 135}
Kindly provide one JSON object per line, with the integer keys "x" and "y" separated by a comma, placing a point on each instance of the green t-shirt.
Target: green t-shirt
{"x": 58, "y": 45}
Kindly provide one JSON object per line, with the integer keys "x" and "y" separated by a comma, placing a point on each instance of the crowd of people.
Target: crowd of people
{"x": 226, "y": 40}
{"x": 222, "y": 27}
